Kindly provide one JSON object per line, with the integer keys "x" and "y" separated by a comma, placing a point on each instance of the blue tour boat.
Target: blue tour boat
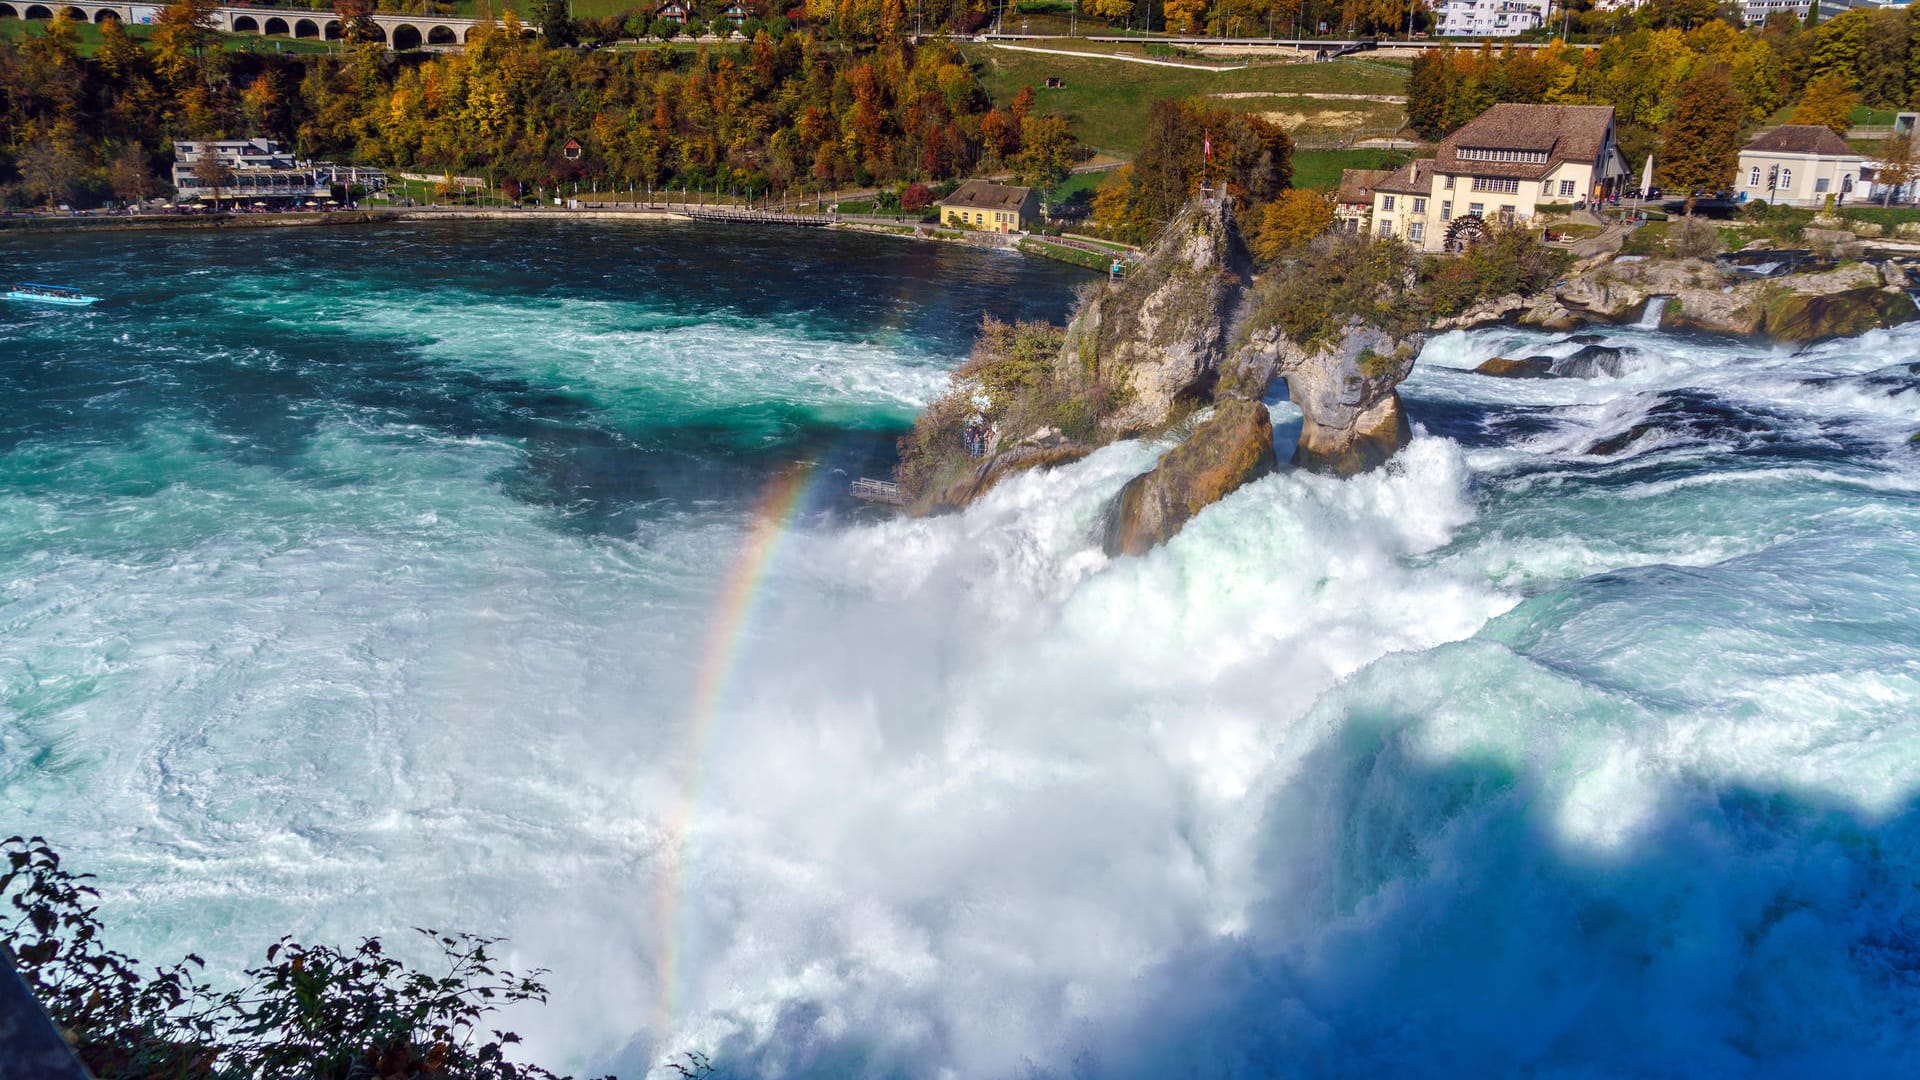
{"x": 51, "y": 294}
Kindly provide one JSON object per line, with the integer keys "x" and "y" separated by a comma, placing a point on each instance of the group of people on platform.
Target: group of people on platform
{"x": 976, "y": 438}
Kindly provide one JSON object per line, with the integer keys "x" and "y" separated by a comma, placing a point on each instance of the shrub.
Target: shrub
{"x": 311, "y": 1011}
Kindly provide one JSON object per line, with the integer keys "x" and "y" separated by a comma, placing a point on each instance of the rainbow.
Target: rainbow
{"x": 772, "y": 519}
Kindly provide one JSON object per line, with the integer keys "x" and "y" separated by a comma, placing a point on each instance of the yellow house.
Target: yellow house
{"x": 978, "y": 204}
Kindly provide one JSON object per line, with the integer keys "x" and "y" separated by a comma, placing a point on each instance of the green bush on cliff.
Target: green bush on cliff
{"x": 313, "y": 1012}
{"x": 1510, "y": 261}
{"x": 1336, "y": 279}
{"x": 1008, "y": 383}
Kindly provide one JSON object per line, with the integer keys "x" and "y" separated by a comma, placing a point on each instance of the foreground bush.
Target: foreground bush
{"x": 311, "y": 1012}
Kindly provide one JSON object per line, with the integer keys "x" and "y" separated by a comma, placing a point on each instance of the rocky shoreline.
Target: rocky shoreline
{"x": 1192, "y": 330}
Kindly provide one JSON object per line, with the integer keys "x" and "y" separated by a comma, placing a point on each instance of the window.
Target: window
{"x": 1419, "y": 206}
{"x": 1566, "y": 189}
{"x": 1386, "y": 202}
{"x": 1786, "y": 178}
{"x": 1447, "y": 182}
{"x": 1753, "y": 176}
{"x": 1476, "y": 209}
{"x": 1492, "y": 183}
{"x": 1386, "y": 228}
{"x": 1820, "y": 186}
{"x": 1416, "y": 232}
{"x": 1506, "y": 213}
{"x": 1446, "y": 211}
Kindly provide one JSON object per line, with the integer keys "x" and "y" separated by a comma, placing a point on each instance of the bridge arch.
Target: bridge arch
{"x": 331, "y": 31}
{"x": 442, "y": 35}
{"x": 39, "y": 11}
{"x": 76, "y": 14}
{"x": 406, "y": 37}
{"x": 106, "y": 15}
{"x": 8, "y": 11}
{"x": 306, "y": 28}
{"x": 245, "y": 24}
{"x": 275, "y": 25}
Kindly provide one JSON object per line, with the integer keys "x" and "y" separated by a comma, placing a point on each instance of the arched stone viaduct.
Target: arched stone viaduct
{"x": 398, "y": 31}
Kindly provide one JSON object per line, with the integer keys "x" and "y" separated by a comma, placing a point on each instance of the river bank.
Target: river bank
{"x": 1042, "y": 247}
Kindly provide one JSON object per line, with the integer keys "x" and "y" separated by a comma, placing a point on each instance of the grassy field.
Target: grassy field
{"x": 17, "y": 30}
{"x": 1106, "y": 100}
{"x": 1321, "y": 168}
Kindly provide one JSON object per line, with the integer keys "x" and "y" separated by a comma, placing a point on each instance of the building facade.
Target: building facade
{"x": 990, "y": 207}
{"x": 1488, "y": 18}
{"x": 1800, "y": 165}
{"x": 1755, "y": 12}
{"x": 1353, "y": 200}
{"x": 1501, "y": 168}
{"x": 258, "y": 171}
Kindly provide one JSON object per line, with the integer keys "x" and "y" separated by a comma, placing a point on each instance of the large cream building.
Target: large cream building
{"x": 1500, "y": 168}
{"x": 1800, "y": 165}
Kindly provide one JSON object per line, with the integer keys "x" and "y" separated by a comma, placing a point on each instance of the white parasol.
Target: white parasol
{"x": 1646, "y": 176}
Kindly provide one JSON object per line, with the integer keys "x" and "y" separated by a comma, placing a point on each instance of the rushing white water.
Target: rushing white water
{"x": 1510, "y": 757}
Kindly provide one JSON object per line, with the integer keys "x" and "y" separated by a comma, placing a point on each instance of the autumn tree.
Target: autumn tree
{"x": 132, "y": 181}
{"x": 1700, "y": 145}
{"x": 1046, "y": 151}
{"x": 1118, "y": 11}
{"x": 356, "y": 21}
{"x": 1183, "y": 16}
{"x": 1289, "y": 221}
{"x": 210, "y": 172}
{"x": 181, "y": 35}
{"x": 1828, "y": 102}
{"x": 1897, "y": 166}
{"x": 51, "y": 166}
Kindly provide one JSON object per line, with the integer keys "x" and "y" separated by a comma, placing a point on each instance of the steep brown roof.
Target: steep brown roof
{"x": 1356, "y": 185}
{"x": 1801, "y": 139}
{"x": 981, "y": 195}
{"x": 1563, "y": 132}
{"x": 1413, "y": 178}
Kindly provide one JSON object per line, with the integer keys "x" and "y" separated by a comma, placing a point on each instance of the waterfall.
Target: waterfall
{"x": 1656, "y": 307}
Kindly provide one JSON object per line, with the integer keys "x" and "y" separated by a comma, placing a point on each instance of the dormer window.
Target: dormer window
{"x": 1526, "y": 157}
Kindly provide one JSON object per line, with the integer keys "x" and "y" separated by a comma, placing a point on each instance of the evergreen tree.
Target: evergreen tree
{"x": 556, "y": 23}
{"x": 1813, "y": 15}
{"x": 1700, "y": 145}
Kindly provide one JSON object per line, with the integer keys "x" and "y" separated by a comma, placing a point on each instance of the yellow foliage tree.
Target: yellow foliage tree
{"x": 1828, "y": 102}
{"x": 1183, "y": 16}
{"x": 1294, "y": 218}
{"x": 1111, "y": 10}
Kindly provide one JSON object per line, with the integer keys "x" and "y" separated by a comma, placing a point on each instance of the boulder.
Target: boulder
{"x": 1806, "y": 317}
{"x": 1227, "y": 450}
{"x": 1529, "y": 367}
{"x": 1590, "y": 362}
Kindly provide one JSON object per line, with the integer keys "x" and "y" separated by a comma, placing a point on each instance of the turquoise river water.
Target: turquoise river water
{"x": 503, "y": 579}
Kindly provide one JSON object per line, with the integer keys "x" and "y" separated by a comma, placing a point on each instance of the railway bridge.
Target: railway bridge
{"x": 399, "y": 31}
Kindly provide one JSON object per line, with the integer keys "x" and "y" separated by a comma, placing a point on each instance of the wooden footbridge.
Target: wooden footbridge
{"x": 756, "y": 217}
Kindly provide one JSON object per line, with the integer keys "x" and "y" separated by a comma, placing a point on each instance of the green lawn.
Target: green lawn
{"x": 17, "y": 30}
{"x": 1107, "y": 100}
{"x": 1321, "y": 168}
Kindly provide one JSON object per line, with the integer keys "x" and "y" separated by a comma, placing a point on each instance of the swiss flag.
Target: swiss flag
{"x": 1207, "y": 139}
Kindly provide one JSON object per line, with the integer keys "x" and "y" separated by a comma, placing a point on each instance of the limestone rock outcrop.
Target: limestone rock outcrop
{"x": 1227, "y": 450}
{"x": 1351, "y": 417}
{"x": 1849, "y": 299}
{"x": 1161, "y": 336}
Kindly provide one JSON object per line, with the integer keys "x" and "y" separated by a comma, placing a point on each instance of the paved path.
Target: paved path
{"x": 1123, "y": 59}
